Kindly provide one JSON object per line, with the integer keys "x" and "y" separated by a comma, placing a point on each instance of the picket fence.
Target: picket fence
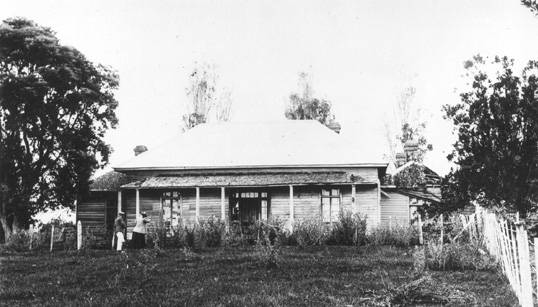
{"x": 508, "y": 242}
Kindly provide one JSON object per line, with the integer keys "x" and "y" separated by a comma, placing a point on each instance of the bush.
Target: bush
{"x": 310, "y": 232}
{"x": 21, "y": 241}
{"x": 350, "y": 229}
{"x": 96, "y": 237}
{"x": 398, "y": 235}
{"x": 268, "y": 246}
{"x": 212, "y": 232}
{"x": 457, "y": 256}
{"x": 25, "y": 240}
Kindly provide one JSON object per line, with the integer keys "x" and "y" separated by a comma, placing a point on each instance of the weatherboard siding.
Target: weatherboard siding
{"x": 394, "y": 209}
{"x": 367, "y": 202}
{"x": 92, "y": 212}
{"x": 306, "y": 200}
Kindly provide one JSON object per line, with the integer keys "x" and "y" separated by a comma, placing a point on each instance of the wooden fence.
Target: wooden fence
{"x": 507, "y": 241}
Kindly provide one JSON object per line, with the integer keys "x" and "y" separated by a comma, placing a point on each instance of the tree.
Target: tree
{"x": 55, "y": 107}
{"x": 207, "y": 102}
{"x": 497, "y": 127}
{"x": 531, "y": 4}
{"x": 304, "y": 106}
{"x": 410, "y": 128}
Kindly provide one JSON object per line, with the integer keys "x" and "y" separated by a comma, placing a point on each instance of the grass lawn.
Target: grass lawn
{"x": 371, "y": 276}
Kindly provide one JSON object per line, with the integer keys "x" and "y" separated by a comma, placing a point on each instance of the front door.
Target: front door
{"x": 250, "y": 210}
{"x": 249, "y": 207}
{"x": 171, "y": 213}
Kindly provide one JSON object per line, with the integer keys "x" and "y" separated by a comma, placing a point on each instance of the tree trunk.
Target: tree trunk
{"x": 5, "y": 227}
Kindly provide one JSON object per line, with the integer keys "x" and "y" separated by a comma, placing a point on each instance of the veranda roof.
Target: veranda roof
{"x": 266, "y": 144}
{"x": 245, "y": 180}
{"x": 111, "y": 181}
{"x": 422, "y": 195}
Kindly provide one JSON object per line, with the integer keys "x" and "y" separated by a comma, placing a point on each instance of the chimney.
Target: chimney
{"x": 410, "y": 150}
{"x": 400, "y": 159}
{"x": 140, "y": 149}
{"x": 334, "y": 125}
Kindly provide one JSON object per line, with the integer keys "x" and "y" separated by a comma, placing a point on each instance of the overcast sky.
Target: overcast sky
{"x": 361, "y": 55}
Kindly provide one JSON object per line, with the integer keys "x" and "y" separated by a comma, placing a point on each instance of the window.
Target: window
{"x": 330, "y": 204}
{"x": 170, "y": 202}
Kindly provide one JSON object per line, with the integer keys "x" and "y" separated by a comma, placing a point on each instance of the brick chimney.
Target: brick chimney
{"x": 410, "y": 150}
{"x": 400, "y": 159}
{"x": 140, "y": 149}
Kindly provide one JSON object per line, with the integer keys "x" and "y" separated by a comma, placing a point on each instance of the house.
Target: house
{"x": 246, "y": 171}
{"x": 424, "y": 186}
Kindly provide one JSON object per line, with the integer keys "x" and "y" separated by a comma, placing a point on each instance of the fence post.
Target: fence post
{"x": 536, "y": 260}
{"x": 524, "y": 266}
{"x": 441, "y": 223}
{"x": 420, "y": 235}
{"x": 51, "y": 237}
{"x": 79, "y": 235}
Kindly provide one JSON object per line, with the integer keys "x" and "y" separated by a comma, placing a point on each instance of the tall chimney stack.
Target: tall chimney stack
{"x": 140, "y": 149}
{"x": 410, "y": 150}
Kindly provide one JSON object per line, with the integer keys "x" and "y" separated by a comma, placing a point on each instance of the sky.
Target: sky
{"x": 360, "y": 55}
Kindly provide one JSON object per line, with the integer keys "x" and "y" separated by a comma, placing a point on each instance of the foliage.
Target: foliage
{"x": 531, "y": 4}
{"x": 21, "y": 241}
{"x": 457, "y": 256}
{"x": 55, "y": 107}
{"x": 310, "y": 232}
{"x": 409, "y": 128}
{"x": 497, "y": 127}
{"x": 350, "y": 229}
{"x": 397, "y": 235}
{"x": 207, "y": 102}
{"x": 268, "y": 245}
{"x": 304, "y": 106}
{"x": 411, "y": 177}
{"x": 213, "y": 231}
{"x": 39, "y": 238}
{"x": 95, "y": 237}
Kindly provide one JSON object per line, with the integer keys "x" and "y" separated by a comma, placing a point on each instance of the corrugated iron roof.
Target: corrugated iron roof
{"x": 256, "y": 144}
{"x": 243, "y": 180}
{"x": 422, "y": 195}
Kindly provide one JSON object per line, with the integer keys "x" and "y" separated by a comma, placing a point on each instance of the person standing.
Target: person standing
{"x": 119, "y": 229}
{"x": 139, "y": 232}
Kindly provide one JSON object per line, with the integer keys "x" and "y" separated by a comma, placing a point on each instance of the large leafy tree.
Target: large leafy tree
{"x": 497, "y": 127}
{"x": 55, "y": 107}
{"x": 207, "y": 102}
{"x": 304, "y": 106}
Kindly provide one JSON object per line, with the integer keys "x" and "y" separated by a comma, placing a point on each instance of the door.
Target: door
{"x": 247, "y": 207}
{"x": 171, "y": 212}
{"x": 249, "y": 210}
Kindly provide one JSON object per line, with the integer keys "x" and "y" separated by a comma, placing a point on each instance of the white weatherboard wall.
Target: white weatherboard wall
{"x": 367, "y": 201}
{"x": 394, "y": 209}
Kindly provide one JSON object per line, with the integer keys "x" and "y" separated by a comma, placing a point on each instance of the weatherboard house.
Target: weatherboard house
{"x": 241, "y": 172}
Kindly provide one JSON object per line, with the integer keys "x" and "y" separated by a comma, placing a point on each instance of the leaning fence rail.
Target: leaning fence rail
{"x": 508, "y": 243}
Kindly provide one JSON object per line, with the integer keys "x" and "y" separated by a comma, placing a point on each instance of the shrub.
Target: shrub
{"x": 350, "y": 229}
{"x": 457, "y": 256}
{"x": 20, "y": 241}
{"x": 96, "y": 237}
{"x": 268, "y": 246}
{"x": 310, "y": 232}
{"x": 212, "y": 232}
{"x": 398, "y": 235}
